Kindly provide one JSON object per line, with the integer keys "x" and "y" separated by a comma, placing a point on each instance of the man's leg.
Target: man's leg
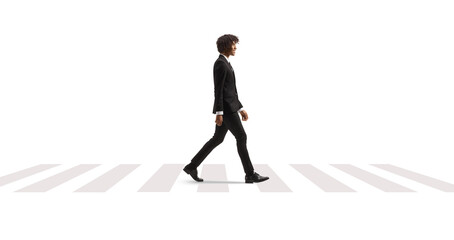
{"x": 217, "y": 139}
{"x": 233, "y": 123}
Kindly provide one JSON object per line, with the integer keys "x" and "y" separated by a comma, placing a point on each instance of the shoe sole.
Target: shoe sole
{"x": 251, "y": 181}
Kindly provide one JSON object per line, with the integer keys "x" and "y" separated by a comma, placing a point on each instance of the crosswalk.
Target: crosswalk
{"x": 170, "y": 177}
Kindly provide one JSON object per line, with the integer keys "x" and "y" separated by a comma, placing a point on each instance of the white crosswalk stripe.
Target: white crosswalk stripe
{"x": 219, "y": 178}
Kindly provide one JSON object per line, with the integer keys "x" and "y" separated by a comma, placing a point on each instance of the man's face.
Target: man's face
{"x": 232, "y": 50}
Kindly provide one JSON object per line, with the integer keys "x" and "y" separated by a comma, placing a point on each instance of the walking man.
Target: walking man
{"x": 226, "y": 107}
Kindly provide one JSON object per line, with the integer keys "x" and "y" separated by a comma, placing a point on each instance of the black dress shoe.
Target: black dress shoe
{"x": 193, "y": 173}
{"x": 255, "y": 178}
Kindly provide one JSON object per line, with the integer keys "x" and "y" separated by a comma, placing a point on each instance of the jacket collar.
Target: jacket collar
{"x": 224, "y": 58}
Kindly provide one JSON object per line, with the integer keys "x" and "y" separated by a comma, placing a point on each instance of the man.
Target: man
{"x": 226, "y": 107}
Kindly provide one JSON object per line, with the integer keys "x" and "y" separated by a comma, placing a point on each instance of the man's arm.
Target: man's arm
{"x": 220, "y": 74}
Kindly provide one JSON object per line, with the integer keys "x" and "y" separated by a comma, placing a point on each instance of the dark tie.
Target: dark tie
{"x": 230, "y": 66}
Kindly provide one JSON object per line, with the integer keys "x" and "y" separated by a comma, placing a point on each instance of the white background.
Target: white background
{"x": 109, "y": 82}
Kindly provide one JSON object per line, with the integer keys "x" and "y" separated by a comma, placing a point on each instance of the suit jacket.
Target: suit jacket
{"x": 225, "y": 93}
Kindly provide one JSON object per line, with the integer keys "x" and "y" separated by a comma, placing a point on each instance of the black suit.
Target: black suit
{"x": 226, "y": 100}
{"x": 225, "y": 93}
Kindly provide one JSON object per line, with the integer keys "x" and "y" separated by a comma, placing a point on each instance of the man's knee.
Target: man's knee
{"x": 241, "y": 137}
{"x": 217, "y": 140}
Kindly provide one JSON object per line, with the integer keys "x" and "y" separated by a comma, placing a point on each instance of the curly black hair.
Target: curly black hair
{"x": 225, "y": 42}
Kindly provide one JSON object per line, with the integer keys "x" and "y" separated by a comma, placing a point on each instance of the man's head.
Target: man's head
{"x": 227, "y": 44}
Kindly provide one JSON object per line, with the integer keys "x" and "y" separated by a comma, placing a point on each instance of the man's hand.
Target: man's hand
{"x": 244, "y": 115}
{"x": 219, "y": 120}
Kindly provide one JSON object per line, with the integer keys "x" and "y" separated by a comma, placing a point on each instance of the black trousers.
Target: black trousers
{"x": 231, "y": 122}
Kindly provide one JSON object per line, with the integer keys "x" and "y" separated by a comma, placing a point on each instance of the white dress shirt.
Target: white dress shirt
{"x": 222, "y": 112}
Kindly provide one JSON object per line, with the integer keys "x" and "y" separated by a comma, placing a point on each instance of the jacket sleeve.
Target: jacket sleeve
{"x": 220, "y": 74}
{"x": 241, "y": 105}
